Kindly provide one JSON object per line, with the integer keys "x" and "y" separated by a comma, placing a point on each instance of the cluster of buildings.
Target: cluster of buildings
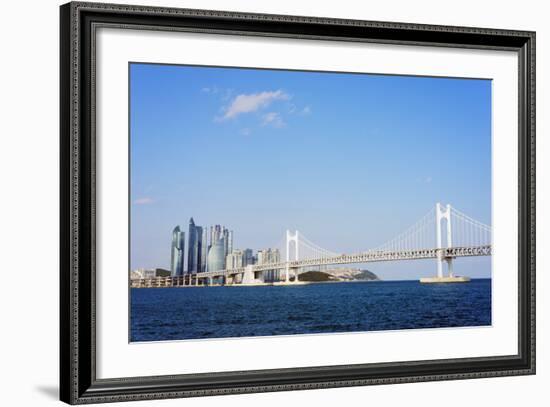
{"x": 212, "y": 250}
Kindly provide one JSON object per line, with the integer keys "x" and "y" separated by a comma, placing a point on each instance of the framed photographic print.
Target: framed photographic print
{"x": 255, "y": 203}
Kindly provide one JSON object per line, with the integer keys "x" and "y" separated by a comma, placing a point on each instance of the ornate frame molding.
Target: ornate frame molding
{"x": 78, "y": 382}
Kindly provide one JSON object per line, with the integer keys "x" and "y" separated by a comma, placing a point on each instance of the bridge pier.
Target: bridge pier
{"x": 287, "y": 274}
{"x": 291, "y": 238}
{"x": 440, "y": 215}
{"x": 248, "y": 275}
{"x": 450, "y": 266}
{"x": 439, "y": 264}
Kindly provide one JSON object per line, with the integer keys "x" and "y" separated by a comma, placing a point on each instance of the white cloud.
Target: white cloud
{"x": 306, "y": 110}
{"x": 144, "y": 201}
{"x": 246, "y": 132}
{"x": 273, "y": 119}
{"x": 247, "y": 103}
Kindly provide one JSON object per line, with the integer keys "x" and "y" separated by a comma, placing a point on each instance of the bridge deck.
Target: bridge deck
{"x": 366, "y": 257}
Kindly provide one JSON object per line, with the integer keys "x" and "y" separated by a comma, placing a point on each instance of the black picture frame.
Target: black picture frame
{"x": 78, "y": 381}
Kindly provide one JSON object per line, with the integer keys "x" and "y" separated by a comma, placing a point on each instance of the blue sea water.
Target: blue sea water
{"x": 221, "y": 312}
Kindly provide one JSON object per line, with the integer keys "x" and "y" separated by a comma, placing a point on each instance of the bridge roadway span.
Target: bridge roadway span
{"x": 366, "y": 257}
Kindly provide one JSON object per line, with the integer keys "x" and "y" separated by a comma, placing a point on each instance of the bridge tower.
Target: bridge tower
{"x": 291, "y": 238}
{"x": 443, "y": 213}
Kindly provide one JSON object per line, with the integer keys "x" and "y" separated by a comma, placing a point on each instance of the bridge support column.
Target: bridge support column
{"x": 248, "y": 275}
{"x": 291, "y": 238}
{"x": 450, "y": 267}
{"x": 442, "y": 214}
{"x": 439, "y": 264}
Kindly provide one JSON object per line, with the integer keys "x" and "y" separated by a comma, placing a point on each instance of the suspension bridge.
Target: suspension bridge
{"x": 443, "y": 234}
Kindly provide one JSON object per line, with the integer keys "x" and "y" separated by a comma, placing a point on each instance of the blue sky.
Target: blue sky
{"x": 350, "y": 160}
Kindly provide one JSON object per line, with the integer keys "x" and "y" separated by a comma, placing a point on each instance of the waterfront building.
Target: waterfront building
{"x": 268, "y": 256}
{"x": 194, "y": 260}
{"x": 216, "y": 256}
{"x": 234, "y": 260}
{"x": 218, "y": 232}
{"x": 200, "y": 259}
{"x": 230, "y": 242}
{"x": 215, "y": 234}
{"x": 248, "y": 257}
{"x": 143, "y": 273}
{"x": 177, "y": 252}
{"x": 211, "y": 236}
{"x": 225, "y": 236}
{"x": 260, "y": 257}
{"x": 204, "y": 251}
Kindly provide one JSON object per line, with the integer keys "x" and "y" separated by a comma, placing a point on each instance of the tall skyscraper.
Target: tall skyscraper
{"x": 194, "y": 260}
{"x": 216, "y": 256}
{"x": 204, "y": 250}
{"x": 230, "y": 242}
{"x": 178, "y": 252}
{"x": 225, "y": 235}
{"x": 211, "y": 237}
{"x": 217, "y": 249}
{"x": 215, "y": 234}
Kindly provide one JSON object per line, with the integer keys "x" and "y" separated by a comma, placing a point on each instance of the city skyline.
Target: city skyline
{"x": 218, "y": 251}
{"x": 267, "y": 151}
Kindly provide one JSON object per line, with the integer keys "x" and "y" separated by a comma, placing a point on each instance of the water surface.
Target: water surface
{"x": 221, "y": 312}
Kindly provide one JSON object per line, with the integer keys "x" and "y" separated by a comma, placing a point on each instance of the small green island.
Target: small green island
{"x": 337, "y": 275}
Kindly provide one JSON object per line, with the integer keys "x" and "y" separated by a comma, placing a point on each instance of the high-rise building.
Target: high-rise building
{"x": 268, "y": 256}
{"x": 248, "y": 257}
{"x": 230, "y": 242}
{"x": 234, "y": 260}
{"x": 225, "y": 236}
{"x": 178, "y": 252}
{"x": 260, "y": 257}
{"x": 211, "y": 237}
{"x": 216, "y": 256}
{"x": 204, "y": 250}
{"x": 215, "y": 234}
{"x": 194, "y": 260}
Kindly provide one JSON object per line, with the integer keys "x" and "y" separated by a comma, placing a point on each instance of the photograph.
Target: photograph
{"x": 286, "y": 198}
{"x": 270, "y": 202}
